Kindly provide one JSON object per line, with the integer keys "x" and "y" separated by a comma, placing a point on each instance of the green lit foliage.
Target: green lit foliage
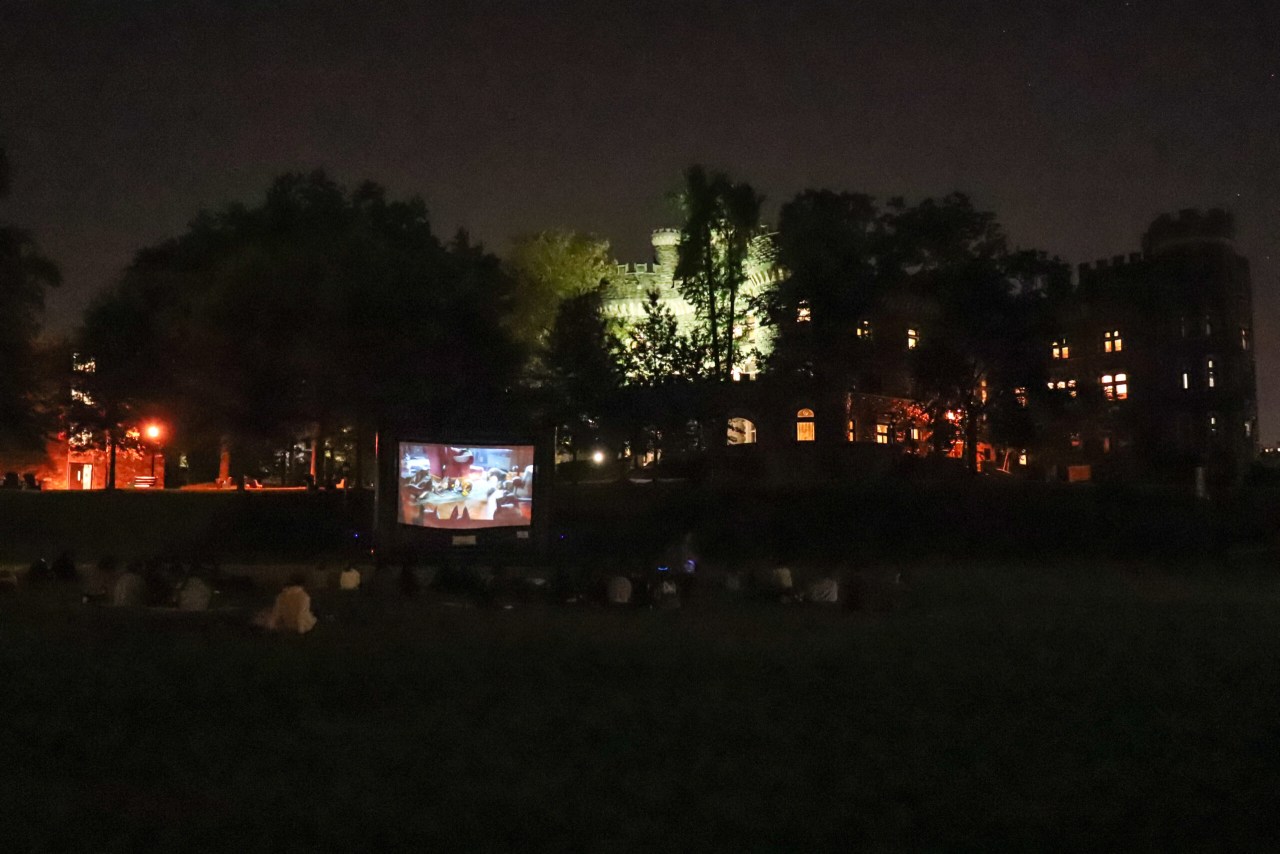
{"x": 721, "y": 217}
{"x": 548, "y": 268}
{"x": 655, "y": 352}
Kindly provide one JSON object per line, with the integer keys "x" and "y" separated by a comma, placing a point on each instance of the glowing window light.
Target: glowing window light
{"x": 804, "y": 425}
{"x": 882, "y": 434}
{"x": 1112, "y": 342}
{"x": 742, "y": 431}
{"x": 803, "y": 312}
{"x": 1115, "y": 387}
{"x": 1211, "y": 376}
{"x": 913, "y": 338}
{"x": 1061, "y": 349}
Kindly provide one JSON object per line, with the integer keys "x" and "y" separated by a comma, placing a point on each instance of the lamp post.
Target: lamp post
{"x": 153, "y": 433}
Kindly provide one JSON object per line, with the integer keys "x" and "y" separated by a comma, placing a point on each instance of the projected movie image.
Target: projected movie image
{"x": 443, "y": 486}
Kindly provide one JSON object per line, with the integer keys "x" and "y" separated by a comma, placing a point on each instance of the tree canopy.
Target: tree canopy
{"x": 316, "y": 306}
{"x": 721, "y": 218}
{"x": 25, "y": 274}
{"x": 548, "y": 268}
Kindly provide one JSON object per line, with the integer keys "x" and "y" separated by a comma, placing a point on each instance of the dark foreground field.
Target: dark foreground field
{"x": 1072, "y": 706}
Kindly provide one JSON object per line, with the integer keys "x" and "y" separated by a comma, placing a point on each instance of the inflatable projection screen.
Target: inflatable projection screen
{"x": 463, "y": 488}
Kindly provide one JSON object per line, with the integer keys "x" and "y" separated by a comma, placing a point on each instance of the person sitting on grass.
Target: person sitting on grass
{"x": 291, "y": 611}
{"x": 99, "y": 579}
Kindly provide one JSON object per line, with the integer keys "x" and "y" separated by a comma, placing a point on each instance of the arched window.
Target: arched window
{"x": 804, "y": 425}
{"x": 741, "y": 432}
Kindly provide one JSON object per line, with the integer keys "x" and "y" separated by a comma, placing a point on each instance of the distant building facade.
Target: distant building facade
{"x": 1157, "y": 352}
{"x": 1153, "y": 353}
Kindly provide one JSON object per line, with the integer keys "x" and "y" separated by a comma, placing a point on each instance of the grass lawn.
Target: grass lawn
{"x": 1072, "y": 706}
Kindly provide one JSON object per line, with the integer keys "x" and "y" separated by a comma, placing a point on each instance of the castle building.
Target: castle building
{"x": 1152, "y": 358}
{"x": 1156, "y": 354}
{"x": 630, "y": 287}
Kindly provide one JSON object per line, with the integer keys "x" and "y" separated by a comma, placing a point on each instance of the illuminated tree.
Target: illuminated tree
{"x": 654, "y": 351}
{"x": 548, "y": 268}
{"x": 721, "y": 219}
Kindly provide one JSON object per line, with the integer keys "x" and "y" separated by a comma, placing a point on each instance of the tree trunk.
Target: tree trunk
{"x": 971, "y": 438}
{"x": 733, "y": 311}
{"x": 111, "y": 459}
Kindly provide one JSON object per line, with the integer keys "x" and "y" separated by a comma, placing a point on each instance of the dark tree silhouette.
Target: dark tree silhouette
{"x": 25, "y": 274}
{"x": 313, "y": 310}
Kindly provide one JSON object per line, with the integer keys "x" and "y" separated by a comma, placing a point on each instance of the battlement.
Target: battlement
{"x": 1115, "y": 262}
{"x": 665, "y": 237}
{"x": 1189, "y": 226}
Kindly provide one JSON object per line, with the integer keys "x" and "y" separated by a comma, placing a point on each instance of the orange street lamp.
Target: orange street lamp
{"x": 153, "y": 432}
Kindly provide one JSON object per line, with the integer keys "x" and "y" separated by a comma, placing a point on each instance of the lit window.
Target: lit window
{"x": 882, "y": 434}
{"x": 1020, "y": 395}
{"x": 1213, "y": 424}
{"x": 982, "y": 390}
{"x": 1210, "y": 372}
{"x": 1248, "y": 429}
{"x": 1075, "y": 440}
{"x": 915, "y": 434}
{"x": 85, "y": 365}
{"x": 864, "y": 330}
{"x": 1022, "y": 458}
{"x": 1061, "y": 349}
{"x": 1115, "y": 387}
{"x": 913, "y": 338}
{"x": 1244, "y": 338}
{"x": 81, "y": 397}
{"x": 741, "y": 432}
{"x": 850, "y": 431}
{"x": 804, "y": 425}
{"x": 803, "y": 314}
{"x": 1186, "y": 379}
{"x": 1112, "y": 342}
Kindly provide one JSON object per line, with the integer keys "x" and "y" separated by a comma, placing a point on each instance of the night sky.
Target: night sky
{"x": 1077, "y": 122}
